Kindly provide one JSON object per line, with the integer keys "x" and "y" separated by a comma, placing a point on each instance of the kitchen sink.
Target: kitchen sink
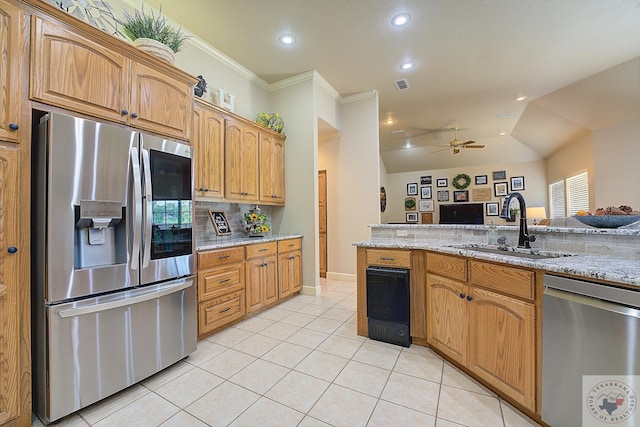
{"x": 513, "y": 252}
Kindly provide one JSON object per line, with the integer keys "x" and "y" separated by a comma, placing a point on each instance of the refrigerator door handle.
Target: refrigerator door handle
{"x": 72, "y": 312}
{"x": 137, "y": 209}
{"x": 146, "y": 166}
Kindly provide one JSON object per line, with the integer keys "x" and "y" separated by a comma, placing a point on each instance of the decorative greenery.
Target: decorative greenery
{"x": 156, "y": 27}
{"x": 461, "y": 181}
{"x": 257, "y": 223}
{"x": 272, "y": 121}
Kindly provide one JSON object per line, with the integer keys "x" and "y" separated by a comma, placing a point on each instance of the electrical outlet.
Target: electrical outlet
{"x": 401, "y": 233}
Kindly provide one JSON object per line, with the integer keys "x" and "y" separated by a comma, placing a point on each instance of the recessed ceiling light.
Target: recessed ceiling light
{"x": 521, "y": 98}
{"x": 407, "y": 65}
{"x": 503, "y": 133}
{"x": 287, "y": 39}
{"x": 389, "y": 121}
{"x": 408, "y": 145}
{"x": 401, "y": 19}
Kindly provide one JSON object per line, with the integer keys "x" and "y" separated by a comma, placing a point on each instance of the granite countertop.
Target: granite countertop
{"x": 601, "y": 267}
{"x": 241, "y": 241}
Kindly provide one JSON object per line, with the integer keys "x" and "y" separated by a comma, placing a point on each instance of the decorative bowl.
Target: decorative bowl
{"x": 607, "y": 221}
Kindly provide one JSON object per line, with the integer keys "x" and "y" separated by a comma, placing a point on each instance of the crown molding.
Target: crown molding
{"x": 359, "y": 96}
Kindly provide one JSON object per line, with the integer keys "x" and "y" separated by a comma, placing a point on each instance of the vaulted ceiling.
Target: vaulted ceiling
{"x": 472, "y": 59}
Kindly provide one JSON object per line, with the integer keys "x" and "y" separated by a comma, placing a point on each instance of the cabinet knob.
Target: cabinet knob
{"x": 469, "y": 297}
{"x": 461, "y": 295}
{"x": 206, "y": 189}
{"x": 13, "y": 126}
{"x": 12, "y": 249}
{"x": 134, "y": 115}
{"x": 124, "y": 112}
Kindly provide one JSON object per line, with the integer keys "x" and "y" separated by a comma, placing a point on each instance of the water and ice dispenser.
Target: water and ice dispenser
{"x": 100, "y": 237}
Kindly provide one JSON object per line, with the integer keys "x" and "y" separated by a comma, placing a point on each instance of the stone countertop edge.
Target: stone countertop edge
{"x": 599, "y": 267}
{"x": 621, "y": 231}
{"x": 242, "y": 241}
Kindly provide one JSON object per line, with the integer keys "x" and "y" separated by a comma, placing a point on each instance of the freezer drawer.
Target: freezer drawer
{"x": 100, "y": 346}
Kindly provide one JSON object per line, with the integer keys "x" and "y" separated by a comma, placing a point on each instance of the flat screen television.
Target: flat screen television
{"x": 467, "y": 213}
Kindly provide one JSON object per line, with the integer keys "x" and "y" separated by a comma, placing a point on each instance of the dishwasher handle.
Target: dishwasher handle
{"x": 592, "y": 302}
{"x": 614, "y": 294}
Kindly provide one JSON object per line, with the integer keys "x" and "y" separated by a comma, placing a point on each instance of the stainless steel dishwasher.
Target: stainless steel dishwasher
{"x": 589, "y": 329}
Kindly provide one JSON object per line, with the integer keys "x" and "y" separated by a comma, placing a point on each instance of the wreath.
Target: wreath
{"x": 456, "y": 181}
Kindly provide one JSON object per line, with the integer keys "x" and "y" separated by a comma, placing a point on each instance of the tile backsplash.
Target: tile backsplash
{"x": 206, "y": 234}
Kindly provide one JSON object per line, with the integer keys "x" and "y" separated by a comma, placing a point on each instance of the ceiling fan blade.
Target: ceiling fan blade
{"x": 474, "y": 146}
{"x": 467, "y": 143}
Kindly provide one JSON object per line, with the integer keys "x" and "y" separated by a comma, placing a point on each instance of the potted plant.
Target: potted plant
{"x": 153, "y": 33}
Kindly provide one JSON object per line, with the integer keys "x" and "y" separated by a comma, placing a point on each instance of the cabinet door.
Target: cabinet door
{"x": 447, "y": 318}
{"x": 9, "y": 315}
{"x": 160, "y": 103}
{"x": 75, "y": 73}
{"x": 270, "y": 280}
{"x": 289, "y": 272}
{"x": 12, "y": 48}
{"x": 271, "y": 169}
{"x": 253, "y": 283}
{"x": 502, "y": 344}
{"x": 208, "y": 140}
{"x": 241, "y": 162}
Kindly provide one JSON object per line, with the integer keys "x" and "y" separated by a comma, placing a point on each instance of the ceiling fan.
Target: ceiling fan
{"x": 456, "y": 144}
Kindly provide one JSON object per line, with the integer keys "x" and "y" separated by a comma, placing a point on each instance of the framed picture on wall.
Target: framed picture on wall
{"x": 425, "y": 180}
{"x": 425, "y": 192}
{"x": 412, "y": 189}
{"x": 481, "y": 179}
{"x": 426, "y": 205}
{"x": 442, "y": 182}
{"x": 500, "y": 189}
{"x": 497, "y": 175}
{"x": 411, "y": 216}
{"x": 481, "y": 194}
{"x": 492, "y": 209}
{"x": 443, "y": 195}
{"x": 517, "y": 183}
{"x": 461, "y": 196}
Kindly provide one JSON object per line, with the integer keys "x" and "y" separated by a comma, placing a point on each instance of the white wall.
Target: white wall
{"x": 616, "y": 152}
{"x": 535, "y": 192}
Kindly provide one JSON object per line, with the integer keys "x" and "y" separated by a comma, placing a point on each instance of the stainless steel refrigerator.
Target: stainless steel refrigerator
{"x": 113, "y": 286}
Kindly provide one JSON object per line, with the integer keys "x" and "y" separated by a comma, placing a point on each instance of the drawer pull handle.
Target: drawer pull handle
{"x": 263, "y": 249}
{"x": 387, "y": 259}
{"x": 224, "y": 280}
{"x": 226, "y": 309}
{"x": 224, "y": 256}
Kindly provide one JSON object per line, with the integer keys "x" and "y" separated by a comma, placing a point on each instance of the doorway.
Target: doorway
{"x": 322, "y": 226}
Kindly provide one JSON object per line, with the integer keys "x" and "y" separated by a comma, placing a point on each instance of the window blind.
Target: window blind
{"x": 577, "y": 193}
{"x": 556, "y": 200}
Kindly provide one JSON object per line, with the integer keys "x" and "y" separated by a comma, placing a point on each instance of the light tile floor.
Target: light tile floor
{"x": 302, "y": 364}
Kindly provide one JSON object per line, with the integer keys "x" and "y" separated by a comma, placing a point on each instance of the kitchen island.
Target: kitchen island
{"x": 480, "y": 307}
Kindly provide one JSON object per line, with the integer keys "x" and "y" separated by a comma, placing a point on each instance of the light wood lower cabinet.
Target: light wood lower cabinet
{"x": 221, "y": 298}
{"x": 486, "y": 324}
{"x": 262, "y": 275}
{"x": 289, "y": 267}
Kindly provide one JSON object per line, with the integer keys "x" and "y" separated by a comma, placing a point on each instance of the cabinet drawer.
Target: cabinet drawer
{"x": 389, "y": 258}
{"x": 448, "y": 266}
{"x": 509, "y": 280}
{"x": 220, "y": 280}
{"x": 262, "y": 249}
{"x": 220, "y": 257}
{"x": 289, "y": 245}
{"x": 220, "y": 311}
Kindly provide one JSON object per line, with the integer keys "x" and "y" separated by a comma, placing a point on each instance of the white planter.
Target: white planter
{"x": 155, "y": 48}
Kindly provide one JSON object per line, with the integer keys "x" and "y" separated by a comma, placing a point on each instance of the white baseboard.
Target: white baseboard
{"x": 310, "y": 290}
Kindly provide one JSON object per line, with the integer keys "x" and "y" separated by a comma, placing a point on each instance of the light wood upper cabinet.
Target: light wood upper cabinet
{"x": 271, "y": 169}
{"x": 208, "y": 141}
{"x": 241, "y": 161}
{"x": 9, "y": 282}
{"x": 82, "y": 74}
{"x": 11, "y": 48}
{"x": 73, "y": 72}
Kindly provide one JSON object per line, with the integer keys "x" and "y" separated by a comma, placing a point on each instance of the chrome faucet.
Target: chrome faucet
{"x": 524, "y": 239}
